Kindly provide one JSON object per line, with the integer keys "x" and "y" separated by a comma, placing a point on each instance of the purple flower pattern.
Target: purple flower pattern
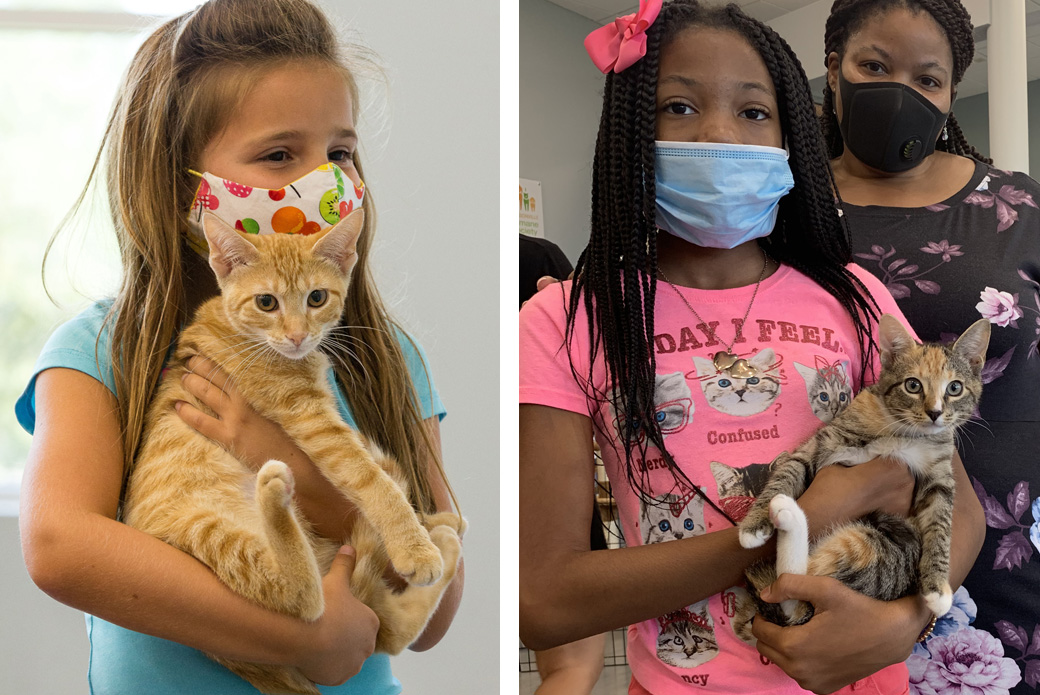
{"x": 961, "y": 614}
{"x": 1004, "y": 199}
{"x": 1014, "y": 548}
{"x": 1036, "y": 298}
{"x": 1000, "y": 308}
{"x": 966, "y": 661}
{"x": 898, "y": 272}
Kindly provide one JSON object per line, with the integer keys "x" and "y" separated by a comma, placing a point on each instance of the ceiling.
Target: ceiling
{"x": 975, "y": 79}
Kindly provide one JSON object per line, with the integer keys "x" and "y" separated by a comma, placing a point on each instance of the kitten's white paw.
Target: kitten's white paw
{"x": 784, "y": 512}
{"x": 754, "y": 539}
{"x": 275, "y": 482}
{"x": 790, "y": 609}
{"x": 939, "y": 604}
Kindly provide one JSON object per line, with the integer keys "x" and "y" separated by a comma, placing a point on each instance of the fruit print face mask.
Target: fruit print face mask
{"x": 305, "y": 206}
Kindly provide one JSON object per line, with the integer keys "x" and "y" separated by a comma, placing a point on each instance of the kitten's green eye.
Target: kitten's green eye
{"x": 317, "y": 298}
{"x": 912, "y": 385}
{"x": 954, "y": 388}
{"x": 266, "y": 302}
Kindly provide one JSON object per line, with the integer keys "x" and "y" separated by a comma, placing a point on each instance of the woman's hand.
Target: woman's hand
{"x": 254, "y": 440}
{"x": 849, "y": 637}
{"x": 842, "y": 493}
{"x": 346, "y": 630}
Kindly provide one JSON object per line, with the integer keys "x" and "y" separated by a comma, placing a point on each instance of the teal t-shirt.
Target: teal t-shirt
{"x": 124, "y": 662}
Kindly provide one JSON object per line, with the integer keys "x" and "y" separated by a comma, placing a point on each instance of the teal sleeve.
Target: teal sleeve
{"x": 430, "y": 403}
{"x": 78, "y": 344}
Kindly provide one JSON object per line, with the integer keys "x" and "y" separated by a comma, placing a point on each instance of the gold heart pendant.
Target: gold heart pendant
{"x": 723, "y": 360}
{"x": 742, "y": 370}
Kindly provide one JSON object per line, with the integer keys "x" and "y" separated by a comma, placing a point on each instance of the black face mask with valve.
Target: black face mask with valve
{"x": 888, "y": 125}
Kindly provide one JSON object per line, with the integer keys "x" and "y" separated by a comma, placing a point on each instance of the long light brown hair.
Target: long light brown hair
{"x": 180, "y": 88}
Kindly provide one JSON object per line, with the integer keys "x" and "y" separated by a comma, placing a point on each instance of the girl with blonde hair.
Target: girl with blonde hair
{"x": 258, "y": 93}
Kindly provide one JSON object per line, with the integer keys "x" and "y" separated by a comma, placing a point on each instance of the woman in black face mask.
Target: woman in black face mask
{"x": 953, "y": 239}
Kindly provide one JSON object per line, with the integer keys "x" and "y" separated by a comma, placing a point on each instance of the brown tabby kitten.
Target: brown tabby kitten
{"x": 280, "y": 297}
{"x": 924, "y": 393}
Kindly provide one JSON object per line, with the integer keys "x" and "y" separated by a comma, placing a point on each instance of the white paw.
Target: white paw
{"x": 790, "y": 608}
{"x": 754, "y": 539}
{"x": 275, "y": 481}
{"x": 939, "y": 604}
{"x": 784, "y": 512}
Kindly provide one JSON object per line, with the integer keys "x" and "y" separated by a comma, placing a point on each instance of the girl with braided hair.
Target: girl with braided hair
{"x": 953, "y": 238}
{"x": 717, "y": 265}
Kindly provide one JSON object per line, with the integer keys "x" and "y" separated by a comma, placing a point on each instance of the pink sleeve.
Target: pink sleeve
{"x": 887, "y": 304}
{"x": 546, "y": 377}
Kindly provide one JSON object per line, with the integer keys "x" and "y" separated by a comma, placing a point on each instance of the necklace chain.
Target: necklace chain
{"x": 740, "y": 328}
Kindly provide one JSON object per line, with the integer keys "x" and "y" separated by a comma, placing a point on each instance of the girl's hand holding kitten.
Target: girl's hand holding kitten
{"x": 826, "y": 653}
{"x": 254, "y": 440}
{"x": 346, "y": 631}
{"x": 843, "y": 493}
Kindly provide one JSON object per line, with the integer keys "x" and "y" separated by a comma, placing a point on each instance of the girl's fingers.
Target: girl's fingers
{"x": 211, "y": 372}
{"x": 202, "y": 423}
{"x": 206, "y": 391}
{"x": 819, "y": 591}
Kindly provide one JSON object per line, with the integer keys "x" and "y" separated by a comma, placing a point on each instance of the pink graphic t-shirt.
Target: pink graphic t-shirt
{"x": 723, "y": 431}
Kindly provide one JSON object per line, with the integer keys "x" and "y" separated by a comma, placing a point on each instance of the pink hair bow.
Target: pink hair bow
{"x": 620, "y": 44}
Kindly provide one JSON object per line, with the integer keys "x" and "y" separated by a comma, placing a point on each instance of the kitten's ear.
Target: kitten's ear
{"x": 763, "y": 359}
{"x": 892, "y": 338}
{"x": 973, "y": 343}
{"x": 339, "y": 243}
{"x": 227, "y": 248}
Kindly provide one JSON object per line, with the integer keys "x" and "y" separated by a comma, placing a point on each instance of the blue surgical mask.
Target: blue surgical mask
{"x": 719, "y": 195}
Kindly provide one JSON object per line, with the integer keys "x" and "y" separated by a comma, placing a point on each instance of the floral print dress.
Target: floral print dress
{"x": 975, "y": 255}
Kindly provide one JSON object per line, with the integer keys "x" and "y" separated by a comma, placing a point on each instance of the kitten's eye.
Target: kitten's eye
{"x": 688, "y": 524}
{"x": 725, "y": 383}
{"x": 824, "y": 397}
{"x": 266, "y": 302}
{"x": 753, "y": 380}
{"x": 843, "y": 397}
{"x": 665, "y": 526}
{"x": 660, "y": 417}
{"x": 912, "y": 385}
{"x": 317, "y": 298}
{"x": 954, "y": 388}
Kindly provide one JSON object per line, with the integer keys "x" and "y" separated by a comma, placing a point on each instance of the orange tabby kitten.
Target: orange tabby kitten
{"x": 280, "y": 297}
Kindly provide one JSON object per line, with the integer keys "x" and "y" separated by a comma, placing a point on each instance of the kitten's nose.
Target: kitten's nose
{"x": 934, "y": 414}
{"x": 298, "y": 338}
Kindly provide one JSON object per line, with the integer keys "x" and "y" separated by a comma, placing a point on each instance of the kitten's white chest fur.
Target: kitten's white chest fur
{"x": 916, "y": 455}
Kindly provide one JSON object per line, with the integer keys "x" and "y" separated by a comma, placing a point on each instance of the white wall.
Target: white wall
{"x": 561, "y": 95}
{"x": 435, "y": 179}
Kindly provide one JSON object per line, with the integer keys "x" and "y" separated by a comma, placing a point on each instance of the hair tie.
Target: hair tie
{"x": 622, "y": 43}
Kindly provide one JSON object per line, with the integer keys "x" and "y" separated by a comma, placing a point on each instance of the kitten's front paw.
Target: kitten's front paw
{"x": 453, "y": 521}
{"x": 420, "y": 564}
{"x": 784, "y": 513}
{"x": 274, "y": 483}
{"x": 939, "y": 602}
{"x": 756, "y": 537}
{"x": 756, "y": 528}
{"x": 449, "y": 544}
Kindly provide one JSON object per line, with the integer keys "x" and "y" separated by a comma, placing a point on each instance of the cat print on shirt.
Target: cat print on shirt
{"x": 738, "y": 487}
{"x": 672, "y": 517}
{"x": 673, "y": 405}
{"x": 828, "y": 387}
{"x": 687, "y": 637}
{"x": 742, "y": 397}
{"x": 741, "y": 608}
